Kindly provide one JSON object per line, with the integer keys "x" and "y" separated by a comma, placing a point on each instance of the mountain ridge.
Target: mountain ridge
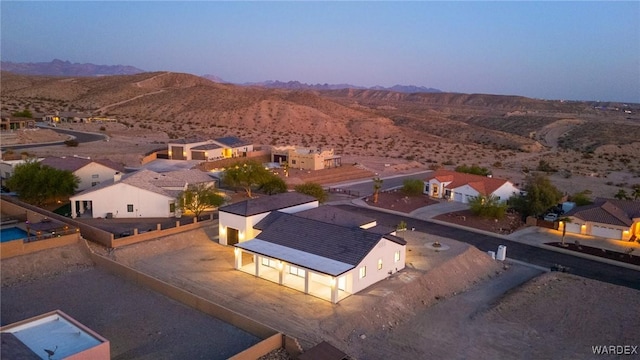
{"x": 58, "y": 67}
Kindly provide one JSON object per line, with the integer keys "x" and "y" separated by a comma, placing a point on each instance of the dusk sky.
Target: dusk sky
{"x": 550, "y": 50}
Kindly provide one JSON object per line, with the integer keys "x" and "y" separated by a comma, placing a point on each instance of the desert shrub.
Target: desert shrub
{"x": 581, "y": 198}
{"x": 412, "y": 187}
{"x": 448, "y": 163}
{"x": 102, "y": 128}
{"x": 488, "y": 207}
{"x": 312, "y": 189}
{"x": 543, "y": 165}
{"x": 473, "y": 169}
{"x": 71, "y": 143}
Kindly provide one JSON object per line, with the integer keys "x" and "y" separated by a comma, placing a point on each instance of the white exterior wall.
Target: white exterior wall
{"x": 386, "y": 250}
{"x": 86, "y": 173}
{"x": 466, "y": 191}
{"x": 506, "y": 191}
{"x": 114, "y": 199}
{"x": 245, "y": 224}
{"x": 429, "y": 187}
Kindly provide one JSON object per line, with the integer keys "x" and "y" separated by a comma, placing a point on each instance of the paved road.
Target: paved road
{"x": 365, "y": 187}
{"x": 518, "y": 251}
{"x": 82, "y": 137}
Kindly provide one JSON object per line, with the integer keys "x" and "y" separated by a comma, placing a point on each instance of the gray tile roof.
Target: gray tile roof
{"x": 232, "y": 141}
{"x": 206, "y": 147}
{"x": 267, "y": 203}
{"x": 160, "y": 183}
{"x": 608, "y": 211}
{"x": 343, "y": 244}
{"x": 73, "y": 163}
{"x": 334, "y": 215}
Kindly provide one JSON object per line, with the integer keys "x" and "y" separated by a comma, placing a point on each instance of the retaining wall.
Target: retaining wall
{"x": 19, "y": 247}
{"x": 151, "y": 235}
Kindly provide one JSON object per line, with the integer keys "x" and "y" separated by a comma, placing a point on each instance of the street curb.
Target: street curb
{"x": 488, "y": 233}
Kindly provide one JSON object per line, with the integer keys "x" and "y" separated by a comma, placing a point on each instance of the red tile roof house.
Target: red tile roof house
{"x": 322, "y": 251}
{"x": 461, "y": 187}
{"x": 90, "y": 172}
{"x": 607, "y": 218}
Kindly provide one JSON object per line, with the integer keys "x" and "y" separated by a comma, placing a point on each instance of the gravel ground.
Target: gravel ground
{"x": 139, "y": 323}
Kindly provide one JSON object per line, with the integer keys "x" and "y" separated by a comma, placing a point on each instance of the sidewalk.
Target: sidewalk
{"x": 533, "y": 235}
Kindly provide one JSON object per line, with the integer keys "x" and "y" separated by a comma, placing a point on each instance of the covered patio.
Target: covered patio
{"x": 314, "y": 275}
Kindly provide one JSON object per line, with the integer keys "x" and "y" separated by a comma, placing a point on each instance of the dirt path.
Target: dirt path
{"x": 102, "y": 109}
{"x": 138, "y": 84}
{"x": 550, "y": 134}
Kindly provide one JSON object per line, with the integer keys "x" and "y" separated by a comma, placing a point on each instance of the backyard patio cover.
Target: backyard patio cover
{"x": 296, "y": 257}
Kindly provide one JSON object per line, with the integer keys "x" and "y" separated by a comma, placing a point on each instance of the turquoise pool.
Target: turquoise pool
{"x": 12, "y": 234}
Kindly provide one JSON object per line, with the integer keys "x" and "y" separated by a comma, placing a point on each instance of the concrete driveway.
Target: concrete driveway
{"x": 444, "y": 207}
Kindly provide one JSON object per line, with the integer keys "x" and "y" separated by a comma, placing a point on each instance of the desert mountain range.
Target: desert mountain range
{"x": 366, "y": 120}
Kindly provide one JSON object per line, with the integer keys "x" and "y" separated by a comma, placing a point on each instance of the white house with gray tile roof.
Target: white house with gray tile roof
{"x": 321, "y": 257}
{"x": 90, "y": 172}
{"x": 142, "y": 194}
{"x": 607, "y": 218}
{"x": 208, "y": 149}
{"x": 236, "y": 221}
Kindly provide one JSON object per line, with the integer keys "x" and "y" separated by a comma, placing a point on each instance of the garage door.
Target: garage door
{"x": 457, "y": 196}
{"x": 573, "y": 228}
{"x": 606, "y": 232}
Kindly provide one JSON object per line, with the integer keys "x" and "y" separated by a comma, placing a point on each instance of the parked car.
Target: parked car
{"x": 551, "y": 217}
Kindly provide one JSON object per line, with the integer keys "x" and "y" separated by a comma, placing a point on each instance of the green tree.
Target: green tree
{"x": 541, "y": 194}
{"x": 412, "y": 187}
{"x": 24, "y": 113}
{"x": 38, "y": 184}
{"x": 581, "y": 198}
{"x": 246, "y": 175}
{"x": 198, "y": 198}
{"x": 622, "y": 195}
{"x": 488, "y": 206}
{"x": 377, "y": 185}
{"x": 312, "y": 189}
{"x": 473, "y": 169}
{"x": 274, "y": 185}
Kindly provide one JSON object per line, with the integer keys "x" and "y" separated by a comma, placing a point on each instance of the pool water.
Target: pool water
{"x": 13, "y": 233}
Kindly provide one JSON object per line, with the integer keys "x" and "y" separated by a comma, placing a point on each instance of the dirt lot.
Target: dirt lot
{"x": 139, "y": 323}
{"x": 422, "y": 312}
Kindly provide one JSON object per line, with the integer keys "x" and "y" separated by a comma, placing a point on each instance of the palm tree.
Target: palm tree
{"x": 564, "y": 221}
{"x": 377, "y": 185}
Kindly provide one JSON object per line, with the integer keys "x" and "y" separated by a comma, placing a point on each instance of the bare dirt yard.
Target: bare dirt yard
{"x": 451, "y": 303}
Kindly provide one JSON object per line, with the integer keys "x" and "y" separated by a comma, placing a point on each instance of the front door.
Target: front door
{"x": 434, "y": 192}
{"x": 232, "y": 236}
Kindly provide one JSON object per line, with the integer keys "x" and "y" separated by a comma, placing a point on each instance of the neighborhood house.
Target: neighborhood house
{"x": 199, "y": 149}
{"x": 608, "y": 218}
{"x": 305, "y": 158}
{"x": 89, "y": 172}
{"x": 144, "y": 193}
{"x": 462, "y": 187}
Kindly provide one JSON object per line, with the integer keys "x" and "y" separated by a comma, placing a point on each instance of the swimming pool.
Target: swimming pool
{"x": 13, "y": 233}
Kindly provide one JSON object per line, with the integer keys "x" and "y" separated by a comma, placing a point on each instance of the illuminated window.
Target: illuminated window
{"x": 269, "y": 262}
{"x": 379, "y": 263}
{"x": 396, "y": 257}
{"x": 363, "y": 272}
{"x": 296, "y": 271}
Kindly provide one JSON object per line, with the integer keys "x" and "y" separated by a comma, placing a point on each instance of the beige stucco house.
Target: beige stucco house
{"x": 208, "y": 149}
{"x": 305, "y": 158}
